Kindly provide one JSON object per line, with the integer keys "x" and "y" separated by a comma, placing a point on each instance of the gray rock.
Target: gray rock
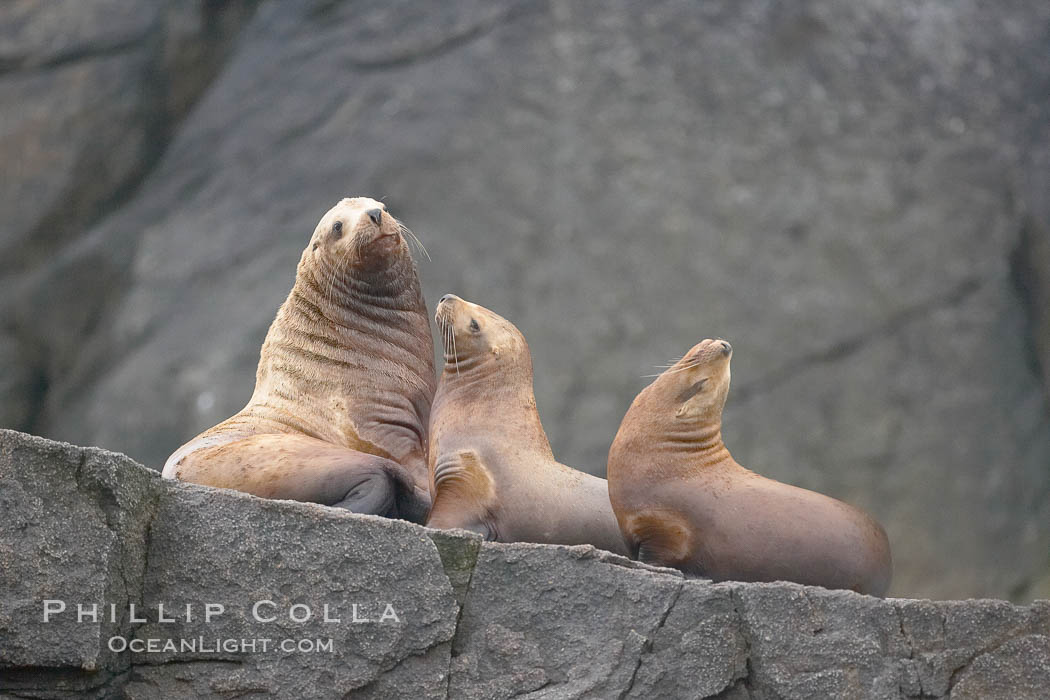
{"x": 1031, "y": 260}
{"x": 822, "y": 653}
{"x": 1019, "y": 668}
{"x": 73, "y": 530}
{"x": 477, "y": 619}
{"x": 90, "y": 92}
{"x": 555, "y": 622}
{"x": 236, "y": 550}
{"x": 87, "y": 526}
{"x": 459, "y": 554}
{"x": 699, "y": 651}
{"x": 840, "y": 189}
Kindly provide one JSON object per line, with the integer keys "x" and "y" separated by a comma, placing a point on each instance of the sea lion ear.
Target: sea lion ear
{"x": 692, "y": 390}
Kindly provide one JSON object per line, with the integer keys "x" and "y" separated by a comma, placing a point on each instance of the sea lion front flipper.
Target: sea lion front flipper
{"x": 661, "y": 538}
{"x": 301, "y": 468}
{"x": 464, "y": 494}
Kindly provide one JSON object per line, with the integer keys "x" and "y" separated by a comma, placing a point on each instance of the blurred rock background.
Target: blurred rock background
{"x": 856, "y": 195}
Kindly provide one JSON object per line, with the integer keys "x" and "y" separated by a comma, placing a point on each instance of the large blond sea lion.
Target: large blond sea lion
{"x": 492, "y": 469}
{"x": 681, "y": 499}
{"x": 344, "y": 384}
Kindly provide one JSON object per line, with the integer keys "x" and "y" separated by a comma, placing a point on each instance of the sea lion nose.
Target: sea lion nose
{"x": 726, "y": 348}
{"x": 376, "y": 215}
{"x": 447, "y": 297}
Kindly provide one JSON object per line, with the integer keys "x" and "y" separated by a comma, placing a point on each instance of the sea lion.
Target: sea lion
{"x": 681, "y": 500}
{"x": 491, "y": 466}
{"x": 344, "y": 384}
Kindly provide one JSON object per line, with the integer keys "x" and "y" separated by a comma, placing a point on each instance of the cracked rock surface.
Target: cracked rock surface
{"x": 475, "y": 619}
{"x": 855, "y": 194}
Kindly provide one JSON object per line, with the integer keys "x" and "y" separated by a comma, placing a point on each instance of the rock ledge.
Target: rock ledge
{"x": 396, "y": 610}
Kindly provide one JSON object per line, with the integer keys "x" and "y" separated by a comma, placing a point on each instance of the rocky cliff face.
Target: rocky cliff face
{"x": 855, "y": 195}
{"x": 362, "y": 607}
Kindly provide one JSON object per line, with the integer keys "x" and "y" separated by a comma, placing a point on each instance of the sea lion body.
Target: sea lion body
{"x": 681, "y": 500}
{"x": 491, "y": 465}
{"x": 344, "y": 383}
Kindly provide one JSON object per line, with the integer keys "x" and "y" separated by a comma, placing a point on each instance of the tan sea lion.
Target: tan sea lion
{"x": 344, "y": 384}
{"x": 491, "y": 466}
{"x": 682, "y": 500}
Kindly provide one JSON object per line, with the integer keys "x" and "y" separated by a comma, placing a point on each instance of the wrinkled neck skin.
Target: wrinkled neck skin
{"x": 343, "y": 293}
{"x": 690, "y": 443}
{"x": 349, "y": 359}
{"x": 493, "y": 397}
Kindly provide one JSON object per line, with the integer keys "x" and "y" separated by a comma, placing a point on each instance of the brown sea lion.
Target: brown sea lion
{"x": 344, "y": 384}
{"x": 681, "y": 500}
{"x": 491, "y": 466}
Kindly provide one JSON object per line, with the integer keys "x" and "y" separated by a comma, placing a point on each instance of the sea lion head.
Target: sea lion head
{"x": 472, "y": 334}
{"x": 357, "y": 234}
{"x": 696, "y": 386}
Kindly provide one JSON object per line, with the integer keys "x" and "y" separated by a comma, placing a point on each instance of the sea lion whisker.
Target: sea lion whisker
{"x": 335, "y": 276}
{"x": 422, "y": 247}
{"x": 329, "y": 287}
{"x": 330, "y": 275}
{"x": 455, "y": 352}
{"x": 405, "y": 230}
{"x": 683, "y": 368}
{"x": 446, "y": 340}
{"x": 326, "y": 281}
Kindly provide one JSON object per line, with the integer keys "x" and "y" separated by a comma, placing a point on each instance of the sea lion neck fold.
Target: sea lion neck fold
{"x": 473, "y": 377}
{"x": 681, "y": 411}
{"x": 373, "y": 331}
{"x": 342, "y": 293}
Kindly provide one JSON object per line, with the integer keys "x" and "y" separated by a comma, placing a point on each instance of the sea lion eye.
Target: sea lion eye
{"x": 337, "y": 229}
{"x": 314, "y": 246}
{"x": 474, "y": 326}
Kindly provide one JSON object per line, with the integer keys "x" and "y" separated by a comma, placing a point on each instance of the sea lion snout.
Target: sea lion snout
{"x": 473, "y": 333}
{"x": 379, "y": 233}
{"x": 361, "y": 226}
{"x": 445, "y": 312}
{"x": 708, "y": 350}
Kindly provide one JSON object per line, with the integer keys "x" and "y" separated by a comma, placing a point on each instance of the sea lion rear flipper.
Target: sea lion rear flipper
{"x": 381, "y": 487}
{"x": 365, "y": 483}
{"x": 464, "y": 494}
{"x": 411, "y": 502}
{"x": 301, "y": 468}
